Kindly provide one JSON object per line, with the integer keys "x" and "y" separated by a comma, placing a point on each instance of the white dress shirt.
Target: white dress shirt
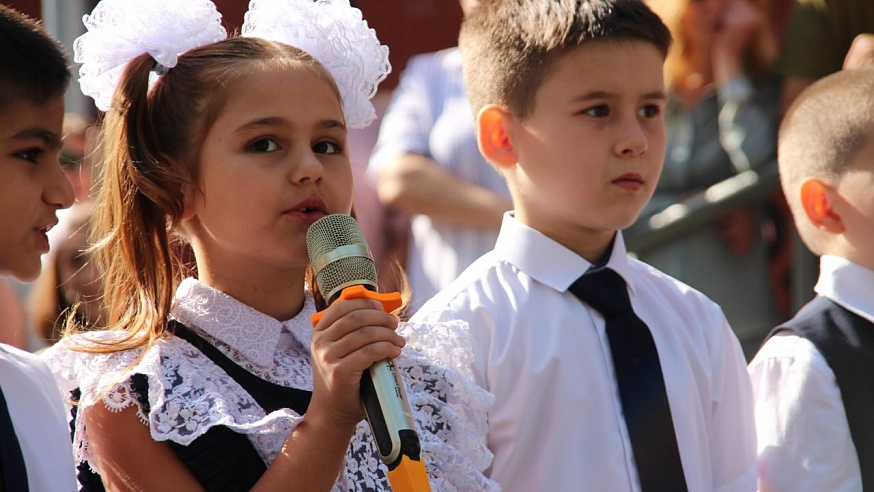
{"x": 804, "y": 439}
{"x": 430, "y": 115}
{"x": 37, "y": 413}
{"x": 557, "y": 422}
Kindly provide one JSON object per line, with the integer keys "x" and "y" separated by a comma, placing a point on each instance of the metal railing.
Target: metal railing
{"x": 686, "y": 215}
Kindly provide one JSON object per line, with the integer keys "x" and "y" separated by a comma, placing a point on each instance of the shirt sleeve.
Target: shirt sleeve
{"x": 406, "y": 126}
{"x": 733, "y": 437}
{"x": 804, "y": 442}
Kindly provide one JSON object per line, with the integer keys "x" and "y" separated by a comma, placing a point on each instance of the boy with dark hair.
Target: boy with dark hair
{"x": 814, "y": 394}
{"x": 34, "y": 65}
{"x": 35, "y": 448}
{"x": 607, "y": 374}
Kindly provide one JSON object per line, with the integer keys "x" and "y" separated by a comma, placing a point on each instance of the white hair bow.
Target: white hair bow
{"x": 121, "y": 30}
{"x": 334, "y": 33}
{"x": 331, "y": 31}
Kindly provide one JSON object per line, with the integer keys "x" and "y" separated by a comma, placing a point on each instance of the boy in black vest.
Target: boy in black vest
{"x": 814, "y": 377}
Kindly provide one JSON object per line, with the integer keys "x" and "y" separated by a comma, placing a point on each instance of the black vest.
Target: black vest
{"x": 221, "y": 459}
{"x": 846, "y": 341}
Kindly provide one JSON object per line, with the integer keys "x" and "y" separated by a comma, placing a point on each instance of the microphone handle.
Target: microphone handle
{"x": 388, "y": 413}
{"x": 388, "y": 410}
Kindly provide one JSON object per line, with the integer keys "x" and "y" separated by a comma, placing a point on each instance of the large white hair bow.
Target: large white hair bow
{"x": 331, "y": 31}
{"x": 334, "y": 33}
{"x": 121, "y": 30}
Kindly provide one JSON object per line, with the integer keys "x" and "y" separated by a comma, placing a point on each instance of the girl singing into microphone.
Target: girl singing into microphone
{"x": 209, "y": 374}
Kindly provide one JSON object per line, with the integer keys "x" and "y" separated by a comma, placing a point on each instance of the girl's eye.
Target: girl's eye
{"x": 600, "y": 111}
{"x": 650, "y": 111}
{"x": 264, "y": 145}
{"x": 31, "y": 155}
{"x": 327, "y": 147}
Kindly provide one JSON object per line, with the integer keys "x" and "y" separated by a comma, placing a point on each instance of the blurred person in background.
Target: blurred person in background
{"x": 427, "y": 164}
{"x": 721, "y": 120}
{"x": 69, "y": 286}
{"x": 77, "y": 153}
{"x": 823, "y": 36}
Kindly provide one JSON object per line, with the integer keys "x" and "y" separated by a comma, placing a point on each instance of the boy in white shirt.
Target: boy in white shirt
{"x": 812, "y": 381}
{"x": 568, "y": 97}
{"x": 35, "y": 448}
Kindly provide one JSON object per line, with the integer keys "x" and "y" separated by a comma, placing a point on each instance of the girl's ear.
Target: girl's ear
{"x": 817, "y": 198}
{"x": 190, "y": 195}
{"x": 493, "y": 137}
{"x": 189, "y": 199}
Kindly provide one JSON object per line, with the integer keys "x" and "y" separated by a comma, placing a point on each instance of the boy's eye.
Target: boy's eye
{"x": 599, "y": 111}
{"x": 650, "y": 111}
{"x": 326, "y": 147}
{"x": 31, "y": 155}
{"x": 264, "y": 145}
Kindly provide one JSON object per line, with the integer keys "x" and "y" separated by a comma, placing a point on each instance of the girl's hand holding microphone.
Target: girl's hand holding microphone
{"x": 347, "y": 340}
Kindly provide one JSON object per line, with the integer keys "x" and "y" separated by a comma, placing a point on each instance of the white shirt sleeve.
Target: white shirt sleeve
{"x": 406, "y": 125}
{"x": 37, "y": 413}
{"x": 733, "y": 439}
{"x": 804, "y": 441}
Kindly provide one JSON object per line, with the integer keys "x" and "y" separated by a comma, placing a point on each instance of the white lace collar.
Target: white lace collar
{"x": 253, "y": 334}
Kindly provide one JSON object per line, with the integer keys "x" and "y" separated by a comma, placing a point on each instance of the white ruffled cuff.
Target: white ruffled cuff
{"x": 450, "y": 410}
{"x": 188, "y": 395}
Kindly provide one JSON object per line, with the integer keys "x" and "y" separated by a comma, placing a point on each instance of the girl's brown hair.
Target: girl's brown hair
{"x": 151, "y": 141}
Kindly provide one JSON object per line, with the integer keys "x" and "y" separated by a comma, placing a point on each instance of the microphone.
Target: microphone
{"x": 344, "y": 269}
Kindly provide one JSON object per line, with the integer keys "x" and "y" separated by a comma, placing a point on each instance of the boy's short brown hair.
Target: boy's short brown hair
{"x": 822, "y": 133}
{"x": 33, "y": 66}
{"x": 508, "y": 46}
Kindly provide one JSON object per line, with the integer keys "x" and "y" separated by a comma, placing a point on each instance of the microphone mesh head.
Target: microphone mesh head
{"x": 323, "y": 238}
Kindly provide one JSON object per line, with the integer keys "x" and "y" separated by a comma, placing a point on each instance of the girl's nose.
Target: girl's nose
{"x": 307, "y": 168}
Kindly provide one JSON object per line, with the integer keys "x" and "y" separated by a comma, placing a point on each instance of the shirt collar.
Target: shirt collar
{"x": 549, "y": 262}
{"x": 848, "y": 284}
{"x": 252, "y": 333}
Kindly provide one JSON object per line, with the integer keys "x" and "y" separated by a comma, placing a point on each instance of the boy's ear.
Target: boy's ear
{"x": 817, "y": 200}
{"x": 493, "y": 136}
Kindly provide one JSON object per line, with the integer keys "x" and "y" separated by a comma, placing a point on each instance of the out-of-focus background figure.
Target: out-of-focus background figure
{"x": 427, "y": 164}
{"x": 721, "y": 121}
{"x": 69, "y": 289}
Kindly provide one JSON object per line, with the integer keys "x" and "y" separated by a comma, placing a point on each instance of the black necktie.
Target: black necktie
{"x": 13, "y": 474}
{"x": 639, "y": 377}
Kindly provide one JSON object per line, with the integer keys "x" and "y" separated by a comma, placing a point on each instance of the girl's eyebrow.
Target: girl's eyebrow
{"x": 51, "y": 139}
{"x": 274, "y": 121}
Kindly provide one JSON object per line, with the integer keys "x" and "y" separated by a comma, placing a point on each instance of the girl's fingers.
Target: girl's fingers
{"x": 372, "y": 342}
{"x": 358, "y": 331}
{"x": 354, "y": 311}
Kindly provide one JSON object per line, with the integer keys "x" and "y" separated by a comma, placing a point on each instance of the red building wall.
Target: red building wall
{"x": 408, "y": 27}
{"x": 29, "y": 7}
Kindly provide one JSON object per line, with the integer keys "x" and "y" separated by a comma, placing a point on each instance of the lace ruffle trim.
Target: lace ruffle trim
{"x": 188, "y": 394}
